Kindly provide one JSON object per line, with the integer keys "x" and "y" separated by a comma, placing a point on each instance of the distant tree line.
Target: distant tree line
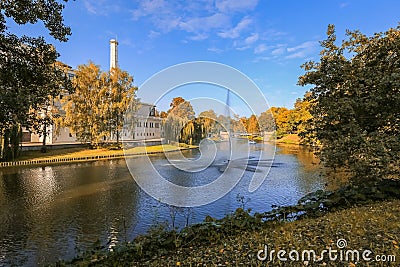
{"x": 286, "y": 121}
{"x": 181, "y": 124}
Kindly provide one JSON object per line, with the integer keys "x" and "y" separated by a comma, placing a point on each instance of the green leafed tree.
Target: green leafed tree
{"x": 28, "y": 74}
{"x": 356, "y": 102}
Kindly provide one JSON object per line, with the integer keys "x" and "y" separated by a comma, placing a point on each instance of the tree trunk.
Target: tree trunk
{"x": 44, "y": 149}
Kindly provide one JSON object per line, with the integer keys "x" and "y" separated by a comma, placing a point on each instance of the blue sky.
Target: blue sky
{"x": 266, "y": 40}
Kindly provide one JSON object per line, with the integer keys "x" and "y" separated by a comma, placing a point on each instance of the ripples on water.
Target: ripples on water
{"x": 54, "y": 212}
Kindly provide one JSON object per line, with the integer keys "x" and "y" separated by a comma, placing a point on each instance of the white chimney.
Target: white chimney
{"x": 113, "y": 53}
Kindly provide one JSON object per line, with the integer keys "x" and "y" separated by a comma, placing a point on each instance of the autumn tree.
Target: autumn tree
{"x": 252, "y": 125}
{"x": 181, "y": 108}
{"x": 121, "y": 93}
{"x": 28, "y": 75}
{"x": 163, "y": 114}
{"x": 243, "y": 121}
{"x": 275, "y": 119}
{"x": 302, "y": 120}
{"x": 237, "y": 124}
{"x": 209, "y": 122}
{"x": 86, "y": 109}
{"x": 179, "y": 126}
{"x": 266, "y": 121}
{"x": 95, "y": 112}
{"x": 356, "y": 102}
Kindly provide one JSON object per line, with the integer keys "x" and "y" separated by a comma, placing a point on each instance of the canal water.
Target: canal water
{"x": 55, "y": 212}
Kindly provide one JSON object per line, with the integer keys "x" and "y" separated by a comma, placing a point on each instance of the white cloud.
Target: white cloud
{"x": 101, "y": 7}
{"x": 200, "y": 19}
{"x": 236, "y": 31}
{"x": 199, "y": 37}
{"x": 278, "y": 51}
{"x": 259, "y": 59}
{"x": 251, "y": 39}
{"x": 302, "y": 50}
{"x": 90, "y": 7}
{"x": 260, "y": 48}
{"x": 305, "y": 45}
{"x": 204, "y": 24}
{"x": 235, "y": 5}
{"x": 153, "y": 34}
{"x": 300, "y": 54}
{"x": 148, "y": 7}
{"x": 285, "y": 52}
{"x": 215, "y": 50}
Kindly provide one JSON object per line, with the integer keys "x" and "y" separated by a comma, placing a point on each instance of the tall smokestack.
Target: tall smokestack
{"x": 113, "y": 53}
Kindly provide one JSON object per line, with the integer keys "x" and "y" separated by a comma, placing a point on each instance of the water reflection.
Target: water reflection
{"x": 53, "y": 212}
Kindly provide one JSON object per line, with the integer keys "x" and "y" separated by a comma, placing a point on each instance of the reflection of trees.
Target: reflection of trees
{"x": 92, "y": 201}
{"x": 311, "y": 168}
{"x": 305, "y": 156}
{"x": 104, "y": 205}
{"x": 13, "y": 218}
{"x": 309, "y": 172}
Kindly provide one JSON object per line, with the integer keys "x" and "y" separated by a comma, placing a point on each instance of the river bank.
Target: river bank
{"x": 291, "y": 139}
{"x": 84, "y": 154}
{"x": 361, "y": 223}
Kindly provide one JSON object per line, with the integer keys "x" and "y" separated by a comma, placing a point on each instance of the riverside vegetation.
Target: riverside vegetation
{"x": 368, "y": 216}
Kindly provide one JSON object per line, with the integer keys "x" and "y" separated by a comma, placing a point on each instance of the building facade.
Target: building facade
{"x": 147, "y": 126}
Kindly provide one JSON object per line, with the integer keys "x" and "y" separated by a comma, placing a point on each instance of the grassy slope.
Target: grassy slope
{"x": 375, "y": 227}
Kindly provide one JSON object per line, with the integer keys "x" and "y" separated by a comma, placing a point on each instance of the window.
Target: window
{"x": 152, "y": 112}
{"x": 157, "y": 125}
